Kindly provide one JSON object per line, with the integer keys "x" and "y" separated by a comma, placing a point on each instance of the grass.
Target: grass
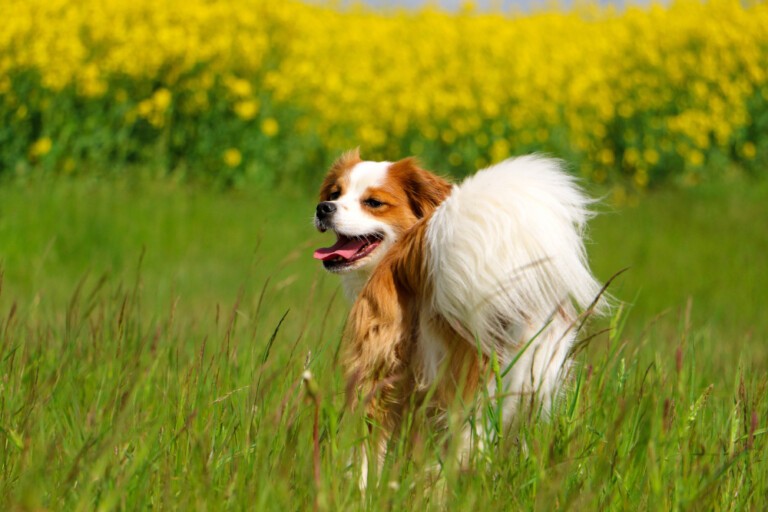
{"x": 153, "y": 338}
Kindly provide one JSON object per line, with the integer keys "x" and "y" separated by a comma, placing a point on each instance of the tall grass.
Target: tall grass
{"x": 152, "y": 348}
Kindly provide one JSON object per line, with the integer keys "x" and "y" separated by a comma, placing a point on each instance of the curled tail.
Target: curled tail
{"x": 507, "y": 258}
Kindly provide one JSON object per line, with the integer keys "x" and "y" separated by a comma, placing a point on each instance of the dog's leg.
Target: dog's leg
{"x": 376, "y": 348}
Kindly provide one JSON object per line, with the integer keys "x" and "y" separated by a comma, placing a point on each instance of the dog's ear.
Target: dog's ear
{"x": 425, "y": 190}
{"x": 345, "y": 162}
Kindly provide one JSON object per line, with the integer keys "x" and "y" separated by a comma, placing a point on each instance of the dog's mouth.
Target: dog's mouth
{"x": 347, "y": 250}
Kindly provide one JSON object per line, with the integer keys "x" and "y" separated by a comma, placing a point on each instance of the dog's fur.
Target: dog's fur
{"x": 453, "y": 276}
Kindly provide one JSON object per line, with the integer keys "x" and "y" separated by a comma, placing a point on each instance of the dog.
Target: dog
{"x": 450, "y": 281}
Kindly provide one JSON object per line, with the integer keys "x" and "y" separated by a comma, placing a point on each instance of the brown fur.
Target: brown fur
{"x": 410, "y": 193}
{"x": 382, "y": 332}
{"x": 381, "y": 336}
{"x": 383, "y": 326}
{"x": 337, "y": 177}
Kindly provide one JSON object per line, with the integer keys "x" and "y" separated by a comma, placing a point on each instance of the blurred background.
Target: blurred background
{"x": 159, "y": 304}
{"x": 489, "y": 5}
{"x": 192, "y": 136}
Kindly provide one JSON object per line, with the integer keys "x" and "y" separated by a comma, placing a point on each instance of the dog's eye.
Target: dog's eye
{"x": 334, "y": 196}
{"x": 373, "y": 203}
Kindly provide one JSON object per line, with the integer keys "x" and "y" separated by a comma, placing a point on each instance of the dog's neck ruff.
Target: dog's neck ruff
{"x": 353, "y": 282}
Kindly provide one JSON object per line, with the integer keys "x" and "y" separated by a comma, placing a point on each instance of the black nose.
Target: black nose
{"x": 325, "y": 209}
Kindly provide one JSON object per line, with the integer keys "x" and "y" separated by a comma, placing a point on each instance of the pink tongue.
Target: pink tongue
{"x": 344, "y": 247}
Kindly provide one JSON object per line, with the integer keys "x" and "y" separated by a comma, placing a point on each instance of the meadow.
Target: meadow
{"x": 636, "y": 98}
{"x": 160, "y": 310}
{"x": 154, "y": 337}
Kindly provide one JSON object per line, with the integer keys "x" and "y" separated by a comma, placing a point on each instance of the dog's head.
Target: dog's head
{"x": 369, "y": 205}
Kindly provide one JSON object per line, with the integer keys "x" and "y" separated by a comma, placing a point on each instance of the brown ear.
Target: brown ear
{"x": 340, "y": 166}
{"x": 425, "y": 190}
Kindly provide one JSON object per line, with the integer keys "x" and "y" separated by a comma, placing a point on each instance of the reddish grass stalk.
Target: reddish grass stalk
{"x": 316, "y": 448}
{"x": 314, "y": 394}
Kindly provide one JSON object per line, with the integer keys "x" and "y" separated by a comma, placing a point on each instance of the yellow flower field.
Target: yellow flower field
{"x": 254, "y": 89}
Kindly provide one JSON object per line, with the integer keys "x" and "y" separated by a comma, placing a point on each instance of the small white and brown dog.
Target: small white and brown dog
{"x": 445, "y": 278}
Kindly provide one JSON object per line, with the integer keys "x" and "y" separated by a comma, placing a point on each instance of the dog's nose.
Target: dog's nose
{"x": 325, "y": 209}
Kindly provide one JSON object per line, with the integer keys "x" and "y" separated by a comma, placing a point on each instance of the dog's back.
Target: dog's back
{"x": 498, "y": 271}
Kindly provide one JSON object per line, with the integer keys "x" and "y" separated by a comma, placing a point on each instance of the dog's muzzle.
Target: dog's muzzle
{"x": 324, "y": 214}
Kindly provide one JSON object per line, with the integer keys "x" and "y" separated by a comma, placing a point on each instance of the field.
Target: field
{"x": 159, "y": 305}
{"x": 154, "y": 335}
{"x": 227, "y": 90}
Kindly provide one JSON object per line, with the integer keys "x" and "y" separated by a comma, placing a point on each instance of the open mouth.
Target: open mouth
{"x": 347, "y": 250}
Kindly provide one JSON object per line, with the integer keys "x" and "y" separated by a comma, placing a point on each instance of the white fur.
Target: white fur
{"x": 507, "y": 245}
{"x": 352, "y": 220}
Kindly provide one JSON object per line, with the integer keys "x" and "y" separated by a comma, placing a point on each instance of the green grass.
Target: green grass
{"x": 706, "y": 245}
{"x": 153, "y": 337}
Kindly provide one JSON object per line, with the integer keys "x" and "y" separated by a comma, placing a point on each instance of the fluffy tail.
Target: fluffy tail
{"x": 507, "y": 260}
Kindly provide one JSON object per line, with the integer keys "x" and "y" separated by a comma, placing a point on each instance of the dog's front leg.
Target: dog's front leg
{"x": 381, "y": 401}
{"x": 376, "y": 348}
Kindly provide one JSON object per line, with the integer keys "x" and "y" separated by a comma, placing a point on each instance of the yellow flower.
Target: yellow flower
{"x": 339, "y": 68}
{"x": 162, "y": 99}
{"x": 631, "y": 156}
{"x": 748, "y": 150}
{"x": 606, "y": 156}
{"x": 499, "y": 150}
{"x": 40, "y": 147}
{"x": 448, "y": 136}
{"x": 695, "y": 157}
{"x": 232, "y": 157}
{"x": 246, "y": 110}
{"x": 238, "y": 87}
{"x": 270, "y": 127}
{"x": 651, "y": 156}
{"x": 92, "y": 83}
{"x": 145, "y": 108}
